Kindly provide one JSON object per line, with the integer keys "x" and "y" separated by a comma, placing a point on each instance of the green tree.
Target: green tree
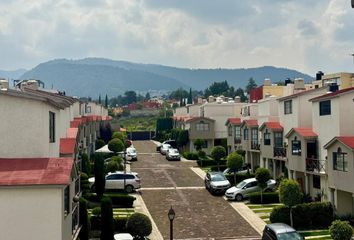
{"x": 119, "y": 135}
{"x": 99, "y": 99}
{"x": 130, "y": 97}
{"x": 183, "y": 138}
{"x": 83, "y": 219}
{"x": 341, "y": 230}
{"x": 84, "y": 184}
{"x": 190, "y": 97}
{"x": 99, "y": 171}
{"x": 139, "y": 225}
{"x": 178, "y": 94}
{"x": 116, "y": 145}
{"x": 107, "y": 224}
{"x": 251, "y": 85}
{"x": 147, "y": 96}
{"x": 217, "y": 153}
{"x": 217, "y": 88}
{"x": 234, "y": 162}
{"x": 262, "y": 175}
{"x": 239, "y": 92}
{"x": 100, "y": 143}
{"x": 198, "y": 144}
{"x": 106, "y": 102}
{"x": 290, "y": 195}
{"x": 106, "y": 132}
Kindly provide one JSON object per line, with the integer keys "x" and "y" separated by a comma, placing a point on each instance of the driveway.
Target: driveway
{"x": 199, "y": 215}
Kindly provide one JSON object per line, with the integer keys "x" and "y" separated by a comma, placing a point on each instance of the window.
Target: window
{"x": 266, "y": 137}
{"x": 340, "y": 163}
{"x": 230, "y": 130}
{"x": 201, "y": 126}
{"x": 67, "y": 200}
{"x": 51, "y": 127}
{"x": 296, "y": 147}
{"x": 245, "y": 134}
{"x": 254, "y": 135}
{"x": 278, "y": 139}
{"x": 316, "y": 181}
{"x": 325, "y": 108}
{"x": 88, "y": 109}
{"x": 237, "y": 132}
{"x": 288, "y": 107}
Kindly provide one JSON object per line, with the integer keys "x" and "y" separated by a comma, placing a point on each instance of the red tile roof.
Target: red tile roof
{"x": 35, "y": 171}
{"x": 234, "y": 121}
{"x": 67, "y": 145}
{"x": 300, "y": 93}
{"x": 75, "y": 123}
{"x": 192, "y": 119}
{"x": 71, "y": 132}
{"x": 251, "y": 122}
{"x": 304, "y": 132}
{"x": 347, "y": 140}
{"x": 275, "y": 126}
{"x": 332, "y": 94}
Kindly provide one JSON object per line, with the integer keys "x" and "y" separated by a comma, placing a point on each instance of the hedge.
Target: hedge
{"x": 190, "y": 155}
{"x": 210, "y": 162}
{"x": 239, "y": 177}
{"x": 119, "y": 223}
{"x": 215, "y": 168}
{"x": 268, "y": 197}
{"x": 305, "y": 216}
{"x": 118, "y": 200}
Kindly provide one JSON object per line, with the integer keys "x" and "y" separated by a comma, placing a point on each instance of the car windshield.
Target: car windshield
{"x": 241, "y": 184}
{"x": 289, "y": 236}
{"x": 218, "y": 177}
{"x": 166, "y": 146}
{"x": 174, "y": 151}
{"x": 132, "y": 150}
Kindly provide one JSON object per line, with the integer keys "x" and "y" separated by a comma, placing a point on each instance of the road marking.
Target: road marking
{"x": 171, "y": 188}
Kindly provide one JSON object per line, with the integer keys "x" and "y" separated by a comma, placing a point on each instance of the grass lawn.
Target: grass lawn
{"x": 139, "y": 123}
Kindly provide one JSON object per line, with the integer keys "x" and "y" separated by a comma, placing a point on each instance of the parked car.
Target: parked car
{"x": 164, "y": 148}
{"x": 123, "y": 236}
{"x": 280, "y": 231}
{"x": 173, "y": 154}
{"x": 216, "y": 182}
{"x": 243, "y": 170}
{"x": 131, "y": 154}
{"x": 173, "y": 144}
{"x": 115, "y": 181}
{"x": 247, "y": 186}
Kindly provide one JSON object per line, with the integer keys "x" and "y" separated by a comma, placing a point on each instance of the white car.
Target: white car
{"x": 164, "y": 148}
{"x": 115, "y": 181}
{"x": 173, "y": 154}
{"x": 123, "y": 236}
{"x": 131, "y": 154}
{"x": 247, "y": 186}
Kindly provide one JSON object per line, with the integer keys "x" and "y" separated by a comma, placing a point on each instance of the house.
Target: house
{"x": 342, "y": 80}
{"x": 250, "y": 142}
{"x": 233, "y": 134}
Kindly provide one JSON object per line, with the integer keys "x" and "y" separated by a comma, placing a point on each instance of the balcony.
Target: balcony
{"x": 255, "y": 145}
{"x": 279, "y": 152}
{"x": 315, "y": 165}
{"x": 237, "y": 140}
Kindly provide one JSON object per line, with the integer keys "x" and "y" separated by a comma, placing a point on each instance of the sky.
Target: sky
{"x": 306, "y": 35}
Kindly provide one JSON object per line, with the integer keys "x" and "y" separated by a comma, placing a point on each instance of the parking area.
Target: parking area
{"x": 199, "y": 215}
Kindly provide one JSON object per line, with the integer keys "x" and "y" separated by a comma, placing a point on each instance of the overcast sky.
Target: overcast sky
{"x": 306, "y": 35}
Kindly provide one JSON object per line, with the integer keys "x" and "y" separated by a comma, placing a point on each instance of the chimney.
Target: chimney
{"x": 237, "y": 99}
{"x": 267, "y": 82}
{"x": 319, "y": 75}
{"x": 4, "y": 84}
{"x": 299, "y": 83}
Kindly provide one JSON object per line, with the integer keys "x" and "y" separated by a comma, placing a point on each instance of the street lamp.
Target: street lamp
{"x": 171, "y": 215}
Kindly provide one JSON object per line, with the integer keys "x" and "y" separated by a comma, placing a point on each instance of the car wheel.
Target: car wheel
{"x": 239, "y": 197}
{"x": 129, "y": 188}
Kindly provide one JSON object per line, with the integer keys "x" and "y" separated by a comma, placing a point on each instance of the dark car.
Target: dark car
{"x": 216, "y": 182}
{"x": 280, "y": 231}
{"x": 173, "y": 144}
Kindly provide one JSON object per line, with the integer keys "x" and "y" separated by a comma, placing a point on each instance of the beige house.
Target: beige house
{"x": 250, "y": 142}
{"x": 341, "y": 173}
{"x": 233, "y": 126}
{"x": 342, "y": 79}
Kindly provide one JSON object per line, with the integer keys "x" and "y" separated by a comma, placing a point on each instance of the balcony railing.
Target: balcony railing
{"x": 279, "y": 152}
{"x": 237, "y": 140}
{"x": 315, "y": 165}
{"x": 255, "y": 145}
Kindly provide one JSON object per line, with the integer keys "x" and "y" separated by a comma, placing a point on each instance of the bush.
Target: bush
{"x": 139, "y": 225}
{"x": 96, "y": 211}
{"x": 201, "y": 154}
{"x": 121, "y": 199}
{"x": 119, "y": 135}
{"x": 100, "y": 143}
{"x": 210, "y": 162}
{"x": 341, "y": 230}
{"x": 99, "y": 171}
{"x": 268, "y": 197}
{"x": 305, "y": 216}
{"x": 116, "y": 145}
{"x": 84, "y": 184}
{"x": 83, "y": 219}
{"x": 107, "y": 230}
{"x": 215, "y": 168}
{"x": 85, "y": 164}
{"x": 112, "y": 166}
{"x": 120, "y": 224}
{"x": 190, "y": 155}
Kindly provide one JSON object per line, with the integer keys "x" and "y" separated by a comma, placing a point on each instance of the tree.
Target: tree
{"x": 130, "y": 97}
{"x": 217, "y": 153}
{"x": 341, "y": 230}
{"x": 262, "y": 175}
{"x": 99, "y": 172}
{"x": 190, "y": 97}
{"x": 83, "y": 219}
{"x": 217, "y": 88}
{"x": 290, "y": 195}
{"x": 106, "y": 132}
{"x": 107, "y": 224}
{"x": 147, "y": 96}
{"x": 178, "y": 94}
{"x": 251, "y": 85}
{"x": 234, "y": 162}
{"x": 239, "y": 92}
{"x": 183, "y": 138}
{"x": 198, "y": 144}
{"x": 119, "y": 135}
{"x": 100, "y": 143}
{"x": 116, "y": 145}
{"x": 139, "y": 225}
{"x": 106, "y": 102}
{"x": 84, "y": 184}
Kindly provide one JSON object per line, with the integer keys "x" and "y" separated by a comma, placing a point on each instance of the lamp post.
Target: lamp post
{"x": 171, "y": 215}
{"x": 125, "y": 169}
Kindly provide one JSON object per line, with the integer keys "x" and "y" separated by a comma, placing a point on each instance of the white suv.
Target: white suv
{"x": 115, "y": 181}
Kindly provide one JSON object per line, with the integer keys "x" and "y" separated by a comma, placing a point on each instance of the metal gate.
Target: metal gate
{"x": 141, "y": 135}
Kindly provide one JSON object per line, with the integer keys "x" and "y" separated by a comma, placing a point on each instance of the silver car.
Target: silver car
{"x": 164, "y": 148}
{"x": 247, "y": 186}
{"x": 115, "y": 181}
{"x": 131, "y": 154}
{"x": 173, "y": 154}
{"x": 216, "y": 182}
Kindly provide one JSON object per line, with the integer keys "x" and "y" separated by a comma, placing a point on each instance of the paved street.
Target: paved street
{"x": 199, "y": 215}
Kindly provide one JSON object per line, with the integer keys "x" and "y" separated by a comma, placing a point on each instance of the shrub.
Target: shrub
{"x": 210, "y": 162}
{"x": 201, "y": 154}
{"x": 95, "y": 222}
{"x": 96, "y": 211}
{"x": 268, "y": 197}
{"x": 112, "y": 166}
{"x": 100, "y": 143}
{"x": 107, "y": 230}
{"x": 198, "y": 144}
{"x": 215, "y": 168}
{"x": 119, "y": 135}
{"x": 99, "y": 170}
{"x": 121, "y": 199}
{"x": 116, "y": 145}
{"x": 139, "y": 225}
{"x": 83, "y": 219}
{"x": 85, "y": 164}
{"x": 305, "y": 216}
{"x": 120, "y": 224}
{"x": 290, "y": 193}
{"x": 341, "y": 230}
{"x": 84, "y": 183}
{"x": 190, "y": 155}
{"x": 117, "y": 159}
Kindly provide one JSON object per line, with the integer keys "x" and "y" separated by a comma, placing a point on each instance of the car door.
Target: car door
{"x": 110, "y": 179}
{"x": 251, "y": 187}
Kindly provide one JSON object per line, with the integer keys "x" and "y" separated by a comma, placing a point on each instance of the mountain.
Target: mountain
{"x": 91, "y": 76}
{"x": 15, "y": 74}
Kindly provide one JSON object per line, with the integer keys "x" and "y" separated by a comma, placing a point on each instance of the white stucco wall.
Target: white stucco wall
{"x": 180, "y": 111}
{"x": 31, "y": 213}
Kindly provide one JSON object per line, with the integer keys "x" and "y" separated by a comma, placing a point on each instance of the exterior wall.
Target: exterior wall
{"x": 250, "y": 111}
{"x": 180, "y": 111}
{"x": 273, "y": 90}
{"x": 346, "y": 114}
{"x": 344, "y": 202}
{"x": 194, "y": 134}
{"x": 193, "y": 110}
{"x": 39, "y": 215}
{"x": 267, "y": 150}
{"x": 206, "y": 150}
{"x": 295, "y": 162}
{"x": 256, "y": 94}
{"x": 289, "y": 121}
